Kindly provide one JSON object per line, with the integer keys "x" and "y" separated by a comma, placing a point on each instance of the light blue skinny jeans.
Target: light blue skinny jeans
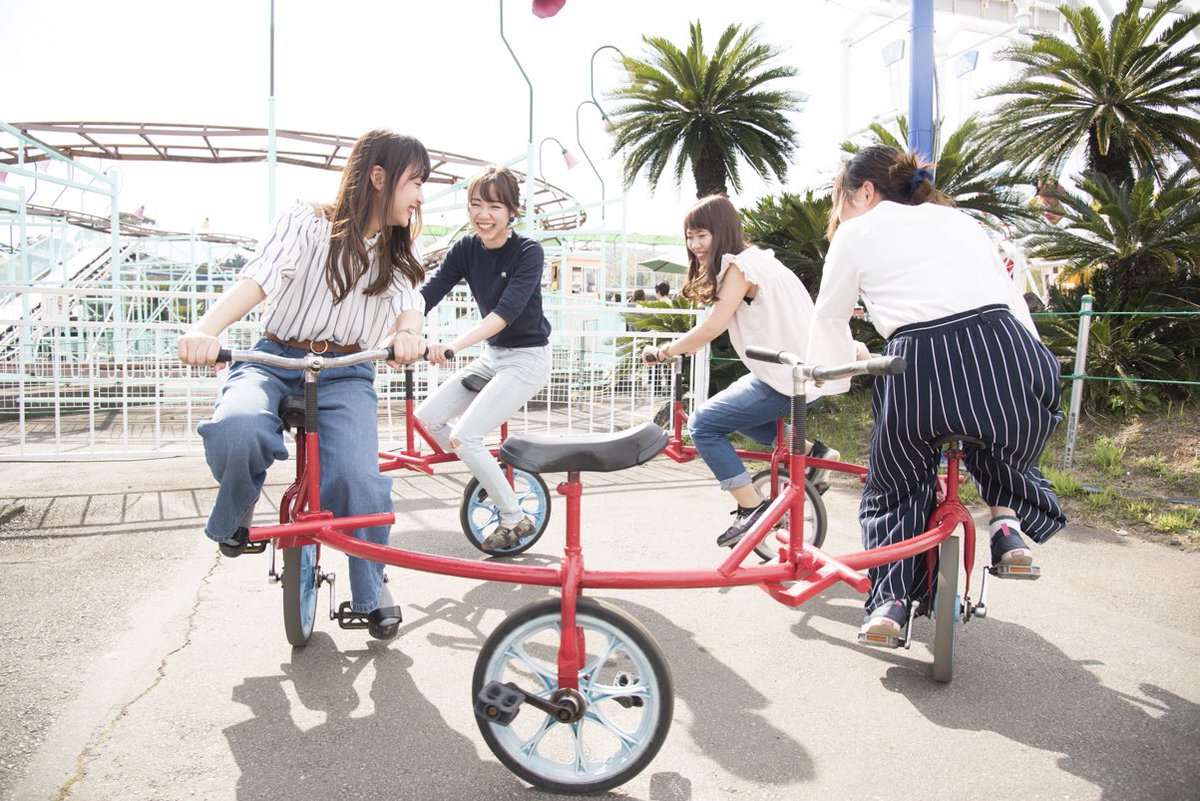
{"x": 517, "y": 374}
{"x": 245, "y": 437}
{"x": 747, "y": 406}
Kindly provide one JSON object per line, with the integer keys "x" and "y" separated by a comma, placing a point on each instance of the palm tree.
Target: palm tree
{"x": 707, "y": 111}
{"x": 976, "y": 174}
{"x": 793, "y": 226}
{"x": 1133, "y": 249}
{"x": 1120, "y": 240}
{"x": 1131, "y": 97}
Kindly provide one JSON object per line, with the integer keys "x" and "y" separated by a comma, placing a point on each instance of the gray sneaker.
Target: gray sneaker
{"x": 507, "y": 536}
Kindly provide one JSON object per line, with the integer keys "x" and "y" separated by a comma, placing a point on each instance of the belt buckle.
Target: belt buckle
{"x": 324, "y": 347}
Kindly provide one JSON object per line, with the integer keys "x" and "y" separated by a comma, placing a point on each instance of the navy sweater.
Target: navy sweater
{"x": 507, "y": 281}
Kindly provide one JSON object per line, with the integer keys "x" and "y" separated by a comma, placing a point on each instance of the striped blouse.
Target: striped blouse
{"x": 289, "y": 265}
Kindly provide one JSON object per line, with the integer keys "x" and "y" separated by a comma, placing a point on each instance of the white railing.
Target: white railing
{"x": 77, "y": 383}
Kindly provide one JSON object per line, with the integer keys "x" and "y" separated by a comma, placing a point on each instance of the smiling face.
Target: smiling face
{"x": 490, "y": 220}
{"x": 407, "y": 197}
{"x": 699, "y": 242}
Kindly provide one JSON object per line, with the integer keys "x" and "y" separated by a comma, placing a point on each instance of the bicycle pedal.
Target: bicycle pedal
{"x": 498, "y": 703}
{"x": 881, "y": 640}
{"x": 256, "y": 546}
{"x": 347, "y": 618}
{"x": 1022, "y": 572}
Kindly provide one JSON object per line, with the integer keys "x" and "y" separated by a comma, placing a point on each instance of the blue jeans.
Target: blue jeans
{"x": 245, "y": 436}
{"x": 747, "y": 406}
{"x": 517, "y": 374}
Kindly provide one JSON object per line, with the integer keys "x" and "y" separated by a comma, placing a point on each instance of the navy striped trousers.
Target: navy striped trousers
{"x": 979, "y": 373}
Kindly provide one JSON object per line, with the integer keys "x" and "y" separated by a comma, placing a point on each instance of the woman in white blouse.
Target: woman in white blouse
{"x": 761, "y": 302}
{"x": 338, "y": 279}
{"x": 935, "y": 288}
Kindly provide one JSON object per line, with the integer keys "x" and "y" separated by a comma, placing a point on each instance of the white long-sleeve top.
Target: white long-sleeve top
{"x": 778, "y": 317}
{"x": 910, "y": 264}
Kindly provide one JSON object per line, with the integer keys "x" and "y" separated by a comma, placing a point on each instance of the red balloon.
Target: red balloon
{"x": 547, "y": 8}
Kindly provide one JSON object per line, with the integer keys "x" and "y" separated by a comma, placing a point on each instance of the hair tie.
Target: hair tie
{"x": 921, "y": 174}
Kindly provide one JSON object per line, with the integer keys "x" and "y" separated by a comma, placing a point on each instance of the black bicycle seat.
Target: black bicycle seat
{"x": 951, "y": 439}
{"x": 475, "y": 382}
{"x": 601, "y": 453}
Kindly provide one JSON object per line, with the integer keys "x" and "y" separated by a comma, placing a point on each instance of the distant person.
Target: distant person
{"x": 504, "y": 273}
{"x": 662, "y": 291}
{"x": 639, "y": 295}
{"x": 760, "y": 302}
{"x": 339, "y": 278}
{"x": 937, "y": 290}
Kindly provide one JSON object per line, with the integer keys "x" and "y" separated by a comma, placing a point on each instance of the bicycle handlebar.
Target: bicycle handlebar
{"x": 288, "y": 363}
{"x": 876, "y": 365}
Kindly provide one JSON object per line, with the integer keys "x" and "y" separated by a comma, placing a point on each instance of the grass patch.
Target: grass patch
{"x": 1100, "y": 500}
{"x": 1107, "y": 455}
{"x": 1155, "y": 465}
{"x": 1064, "y": 482}
{"x": 1176, "y": 521}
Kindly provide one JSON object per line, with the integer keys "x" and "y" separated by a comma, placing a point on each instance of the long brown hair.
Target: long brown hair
{"x": 716, "y": 215}
{"x": 358, "y": 204}
{"x": 899, "y": 177}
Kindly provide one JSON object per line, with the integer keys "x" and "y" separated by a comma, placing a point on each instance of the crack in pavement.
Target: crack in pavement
{"x": 86, "y": 755}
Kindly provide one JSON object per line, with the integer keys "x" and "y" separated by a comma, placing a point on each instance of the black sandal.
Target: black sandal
{"x": 241, "y": 544}
{"x": 384, "y": 623}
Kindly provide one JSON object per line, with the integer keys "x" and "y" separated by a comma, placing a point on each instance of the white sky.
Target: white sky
{"x": 435, "y": 69}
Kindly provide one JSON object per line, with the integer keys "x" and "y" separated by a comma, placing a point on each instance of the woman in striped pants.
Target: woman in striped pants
{"x": 935, "y": 288}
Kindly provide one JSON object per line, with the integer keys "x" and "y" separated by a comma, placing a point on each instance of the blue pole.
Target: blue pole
{"x": 920, "y": 83}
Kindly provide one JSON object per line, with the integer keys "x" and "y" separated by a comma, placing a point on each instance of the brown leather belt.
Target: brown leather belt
{"x": 318, "y": 346}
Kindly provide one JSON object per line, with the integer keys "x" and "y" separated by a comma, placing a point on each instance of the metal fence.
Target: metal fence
{"x": 93, "y": 385}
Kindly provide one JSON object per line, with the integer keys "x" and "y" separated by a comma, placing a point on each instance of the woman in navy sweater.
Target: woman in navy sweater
{"x": 504, "y": 272}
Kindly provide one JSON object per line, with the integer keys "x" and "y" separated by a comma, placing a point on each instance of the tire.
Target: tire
{"x": 617, "y": 739}
{"x": 479, "y": 516}
{"x": 299, "y": 593}
{"x": 947, "y": 606}
{"x": 816, "y": 521}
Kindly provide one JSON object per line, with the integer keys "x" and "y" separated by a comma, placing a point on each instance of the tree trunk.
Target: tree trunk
{"x": 708, "y": 170}
{"x": 1116, "y": 165}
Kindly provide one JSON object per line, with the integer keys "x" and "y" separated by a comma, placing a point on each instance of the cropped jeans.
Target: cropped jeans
{"x": 748, "y": 406}
{"x": 245, "y": 437}
{"x": 516, "y": 375}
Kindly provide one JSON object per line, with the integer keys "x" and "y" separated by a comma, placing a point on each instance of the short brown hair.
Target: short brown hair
{"x": 497, "y": 185}
{"x": 717, "y": 215}
{"x": 899, "y": 177}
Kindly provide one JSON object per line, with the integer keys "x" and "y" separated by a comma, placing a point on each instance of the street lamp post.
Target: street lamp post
{"x": 569, "y": 159}
{"x": 583, "y": 150}
{"x": 529, "y": 138}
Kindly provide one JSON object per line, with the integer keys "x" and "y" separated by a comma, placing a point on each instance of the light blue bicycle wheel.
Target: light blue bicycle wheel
{"x": 299, "y": 593}
{"x": 624, "y": 684}
{"x": 480, "y": 516}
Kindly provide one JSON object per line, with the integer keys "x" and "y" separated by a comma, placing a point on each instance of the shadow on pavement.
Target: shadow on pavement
{"x": 404, "y": 749}
{"x": 1012, "y": 681}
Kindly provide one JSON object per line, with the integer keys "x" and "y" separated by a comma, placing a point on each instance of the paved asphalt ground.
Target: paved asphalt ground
{"x": 137, "y": 664}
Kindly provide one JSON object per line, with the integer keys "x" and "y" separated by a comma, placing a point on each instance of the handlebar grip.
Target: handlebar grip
{"x": 224, "y": 355}
{"x": 765, "y": 354}
{"x": 886, "y": 365}
{"x": 391, "y": 354}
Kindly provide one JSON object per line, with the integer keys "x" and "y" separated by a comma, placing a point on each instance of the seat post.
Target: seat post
{"x": 572, "y": 489}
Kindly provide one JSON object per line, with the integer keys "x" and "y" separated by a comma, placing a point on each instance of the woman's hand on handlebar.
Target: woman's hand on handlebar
{"x": 439, "y": 354}
{"x": 861, "y": 351}
{"x": 198, "y": 348}
{"x": 408, "y": 347}
{"x": 652, "y": 354}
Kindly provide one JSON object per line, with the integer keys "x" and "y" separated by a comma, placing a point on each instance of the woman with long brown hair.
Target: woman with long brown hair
{"x": 760, "y": 302}
{"x": 338, "y": 278}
